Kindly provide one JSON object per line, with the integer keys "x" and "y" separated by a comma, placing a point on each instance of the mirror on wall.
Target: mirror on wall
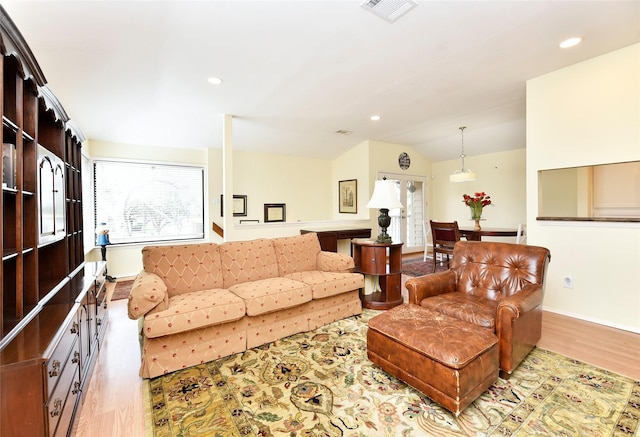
{"x": 595, "y": 192}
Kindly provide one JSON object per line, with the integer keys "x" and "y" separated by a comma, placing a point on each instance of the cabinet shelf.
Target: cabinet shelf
{"x": 9, "y": 253}
{"x": 9, "y": 124}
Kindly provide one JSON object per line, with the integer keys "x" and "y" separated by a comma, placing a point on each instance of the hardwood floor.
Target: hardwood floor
{"x": 113, "y": 404}
{"x": 608, "y": 348}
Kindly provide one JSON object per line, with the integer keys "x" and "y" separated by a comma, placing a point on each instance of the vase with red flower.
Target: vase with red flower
{"x": 476, "y": 203}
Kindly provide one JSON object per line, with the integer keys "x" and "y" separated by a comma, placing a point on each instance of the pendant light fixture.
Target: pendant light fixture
{"x": 464, "y": 174}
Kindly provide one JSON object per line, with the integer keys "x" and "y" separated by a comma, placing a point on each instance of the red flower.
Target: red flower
{"x": 479, "y": 198}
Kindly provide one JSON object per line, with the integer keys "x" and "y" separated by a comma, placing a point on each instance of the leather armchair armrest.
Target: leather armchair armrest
{"x": 334, "y": 262}
{"x": 430, "y": 285}
{"x": 527, "y": 299}
{"x": 519, "y": 326}
{"x": 147, "y": 292}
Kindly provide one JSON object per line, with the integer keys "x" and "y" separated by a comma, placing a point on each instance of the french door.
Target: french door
{"x": 407, "y": 222}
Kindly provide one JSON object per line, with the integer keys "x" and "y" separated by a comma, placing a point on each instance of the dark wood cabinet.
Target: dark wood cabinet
{"x": 383, "y": 264}
{"x": 52, "y": 304}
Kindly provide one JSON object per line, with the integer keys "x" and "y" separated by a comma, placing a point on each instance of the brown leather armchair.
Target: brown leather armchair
{"x": 498, "y": 286}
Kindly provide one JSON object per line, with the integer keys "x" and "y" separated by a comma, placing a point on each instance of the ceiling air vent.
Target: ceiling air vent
{"x": 389, "y": 10}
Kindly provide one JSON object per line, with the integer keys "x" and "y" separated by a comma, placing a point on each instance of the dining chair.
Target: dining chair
{"x": 445, "y": 235}
{"x": 521, "y": 236}
{"x": 427, "y": 244}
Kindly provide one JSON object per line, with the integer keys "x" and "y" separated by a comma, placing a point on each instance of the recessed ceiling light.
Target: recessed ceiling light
{"x": 214, "y": 80}
{"x": 570, "y": 42}
{"x": 375, "y": 117}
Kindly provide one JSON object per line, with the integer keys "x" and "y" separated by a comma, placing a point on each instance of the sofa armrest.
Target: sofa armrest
{"x": 334, "y": 262}
{"x": 147, "y": 292}
{"x": 430, "y": 285}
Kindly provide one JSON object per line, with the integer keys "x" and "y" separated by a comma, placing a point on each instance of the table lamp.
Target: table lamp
{"x": 384, "y": 197}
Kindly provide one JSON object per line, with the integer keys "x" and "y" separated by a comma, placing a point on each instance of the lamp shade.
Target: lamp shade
{"x": 463, "y": 176}
{"x": 385, "y": 195}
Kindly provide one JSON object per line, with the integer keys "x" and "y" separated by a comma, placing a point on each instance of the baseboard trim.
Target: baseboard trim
{"x": 632, "y": 329}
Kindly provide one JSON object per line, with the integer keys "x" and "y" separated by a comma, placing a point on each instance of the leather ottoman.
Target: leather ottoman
{"x": 447, "y": 359}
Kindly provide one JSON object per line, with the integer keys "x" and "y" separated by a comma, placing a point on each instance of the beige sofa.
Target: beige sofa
{"x": 200, "y": 302}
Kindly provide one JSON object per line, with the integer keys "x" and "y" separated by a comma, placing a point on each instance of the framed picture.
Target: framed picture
{"x": 274, "y": 212}
{"x": 348, "y": 196}
{"x": 239, "y": 205}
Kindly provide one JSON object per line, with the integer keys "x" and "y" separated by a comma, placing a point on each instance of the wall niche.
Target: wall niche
{"x": 605, "y": 192}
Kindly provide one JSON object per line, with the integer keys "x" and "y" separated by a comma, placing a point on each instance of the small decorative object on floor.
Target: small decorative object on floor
{"x": 476, "y": 203}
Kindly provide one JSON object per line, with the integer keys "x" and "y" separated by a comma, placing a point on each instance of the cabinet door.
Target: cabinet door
{"x": 58, "y": 198}
{"x": 51, "y": 197}
{"x": 373, "y": 260}
{"x": 45, "y": 194}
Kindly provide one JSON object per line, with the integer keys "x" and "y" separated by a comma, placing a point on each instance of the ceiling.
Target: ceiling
{"x": 295, "y": 72}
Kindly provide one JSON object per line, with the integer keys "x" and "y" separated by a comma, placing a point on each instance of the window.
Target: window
{"x": 143, "y": 202}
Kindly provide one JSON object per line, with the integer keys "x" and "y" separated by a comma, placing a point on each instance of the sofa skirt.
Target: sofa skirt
{"x": 178, "y": 351}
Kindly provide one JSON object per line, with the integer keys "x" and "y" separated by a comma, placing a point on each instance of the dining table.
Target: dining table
{"x": 471, "y": 235}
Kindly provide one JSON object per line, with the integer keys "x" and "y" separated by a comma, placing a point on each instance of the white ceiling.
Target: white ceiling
{"x": 297, "y": 71}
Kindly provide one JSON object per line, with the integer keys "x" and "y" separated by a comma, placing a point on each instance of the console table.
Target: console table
{"x": 329, "y": 237}
{"x": 472, "y": 235}
{"x": 384, "y": 262}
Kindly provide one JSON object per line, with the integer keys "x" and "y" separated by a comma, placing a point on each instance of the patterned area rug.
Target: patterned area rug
{"x": 321, "y": 383}
{"x": 417, "y": 267}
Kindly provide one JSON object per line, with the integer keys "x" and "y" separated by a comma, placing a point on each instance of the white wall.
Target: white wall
{"x": 501, "y": 175}
{"x": 352, "y": 165}
{"x": 587, "y": 114}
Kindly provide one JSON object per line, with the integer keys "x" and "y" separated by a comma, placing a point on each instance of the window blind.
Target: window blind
{"x": 144, "y": 202}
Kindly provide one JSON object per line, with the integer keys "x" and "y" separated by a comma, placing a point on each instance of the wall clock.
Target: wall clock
{"x": 404, "y": 161}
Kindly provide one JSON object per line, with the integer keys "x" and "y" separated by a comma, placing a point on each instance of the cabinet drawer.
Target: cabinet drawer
{"x": 102, "y": 317}
{"x": 61, "y": 403}
{"x": 61, "y": 353}
{"x": 100, "y": 289}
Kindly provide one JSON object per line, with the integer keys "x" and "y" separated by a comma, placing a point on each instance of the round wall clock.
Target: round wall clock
{"x": 404, "y": 161}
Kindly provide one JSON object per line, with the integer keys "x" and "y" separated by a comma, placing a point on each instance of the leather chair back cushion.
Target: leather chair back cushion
{"x": 496, "y": 270}
{"x": 247, "y": 261}
{"x": 185, "y": 268}
{"x": 297, "y": 254}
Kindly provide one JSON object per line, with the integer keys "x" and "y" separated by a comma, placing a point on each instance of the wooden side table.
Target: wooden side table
{"x": 384, "y": 261}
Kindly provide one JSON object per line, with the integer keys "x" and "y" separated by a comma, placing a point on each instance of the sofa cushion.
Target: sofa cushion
{"x": 324, "y": 284}
{"x": 273, "y": 294}
{"x": 147, "y": 292}
{"x": 297, "y": 254}
{"x": 194, "y": 310}
{"x": 473, "y": 309}
{"x": 247, "y": 261}
{"x": 185, "y": 268}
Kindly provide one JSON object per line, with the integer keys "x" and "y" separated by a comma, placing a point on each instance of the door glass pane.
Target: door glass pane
{"x": 406, "y": 222}
{"x": 395, "y": 228}
{"x": 414, "y": 212}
